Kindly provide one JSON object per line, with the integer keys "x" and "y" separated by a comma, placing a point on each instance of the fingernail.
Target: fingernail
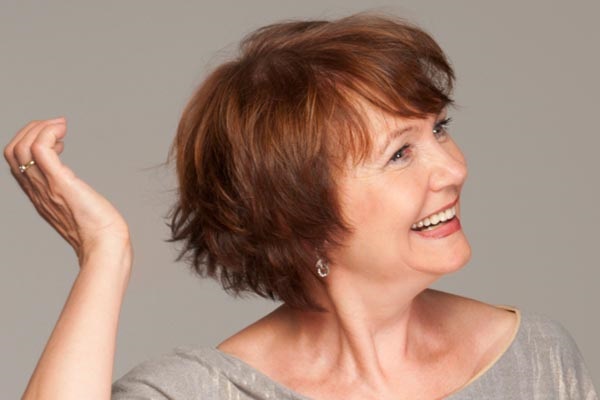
{"x": 59, "y": 119}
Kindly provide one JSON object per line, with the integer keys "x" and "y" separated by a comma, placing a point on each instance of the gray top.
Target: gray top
{"x": 541, "y": 363}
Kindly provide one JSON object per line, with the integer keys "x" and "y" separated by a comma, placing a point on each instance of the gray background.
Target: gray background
{"x": 122, "y": 71}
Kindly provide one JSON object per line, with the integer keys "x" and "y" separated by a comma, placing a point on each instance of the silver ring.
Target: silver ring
{"x": 23, "y": 168}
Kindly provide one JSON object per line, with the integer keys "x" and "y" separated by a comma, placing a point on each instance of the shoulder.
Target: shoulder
{"x": 535, "y": 333}
{"x": 547, "y": 354}
{"x": 533, "y": 353}
{"x": 196, "y": 373}
{"x": 476, "y": 329}
{"x": 180, "y": 374}
{"x": 547, "y": 359}
{"x": 545, "y": 337}
{"x": 470, "y": 316}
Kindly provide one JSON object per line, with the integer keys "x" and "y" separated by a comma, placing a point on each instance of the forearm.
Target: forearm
{"x": 78, "y": 359}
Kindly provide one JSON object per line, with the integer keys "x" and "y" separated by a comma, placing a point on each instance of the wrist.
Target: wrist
{"x": 107, "y": 254}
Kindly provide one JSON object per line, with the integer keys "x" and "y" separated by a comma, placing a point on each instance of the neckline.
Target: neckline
{"x": 450, "y": 395}
{"x": 496, "y": 359}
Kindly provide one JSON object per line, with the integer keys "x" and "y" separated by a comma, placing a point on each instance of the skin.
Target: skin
{"x": 385, "y": 335}
{"x": 78, "y": 358}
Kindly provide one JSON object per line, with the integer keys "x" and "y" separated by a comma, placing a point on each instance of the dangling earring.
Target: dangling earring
{"x": 322, "y": 267}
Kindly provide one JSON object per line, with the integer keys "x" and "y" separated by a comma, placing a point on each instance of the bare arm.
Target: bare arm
{"x": 77, "y": 361}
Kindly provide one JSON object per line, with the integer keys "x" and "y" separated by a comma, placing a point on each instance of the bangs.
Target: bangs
{"x": 349, "y": 138}
{"x": 319, "y": 74}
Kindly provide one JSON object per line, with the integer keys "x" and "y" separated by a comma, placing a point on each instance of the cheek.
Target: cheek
{"x": 386, "y": 208}
{"x": 364, "y": 206}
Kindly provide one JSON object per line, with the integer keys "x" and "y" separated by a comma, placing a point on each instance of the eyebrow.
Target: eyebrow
{"x": 396, "y": 133}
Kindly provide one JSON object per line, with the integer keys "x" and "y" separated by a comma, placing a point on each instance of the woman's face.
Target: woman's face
{"x": 414, "y": 172}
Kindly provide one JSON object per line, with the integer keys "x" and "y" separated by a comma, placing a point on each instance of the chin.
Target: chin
{"x": 447, "y": 261}
{"x": 458, "y": 260}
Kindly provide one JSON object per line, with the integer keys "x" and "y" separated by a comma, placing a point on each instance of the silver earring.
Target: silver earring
{"x": 322, "y": 268}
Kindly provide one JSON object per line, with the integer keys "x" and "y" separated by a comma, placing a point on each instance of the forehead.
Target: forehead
{"x": 383, "y": 128}
{"x": 366, "y": 130}
{"x": 362, "y": 144}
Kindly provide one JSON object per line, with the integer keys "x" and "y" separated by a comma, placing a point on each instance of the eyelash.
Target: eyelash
{"x": 440, "y": 130}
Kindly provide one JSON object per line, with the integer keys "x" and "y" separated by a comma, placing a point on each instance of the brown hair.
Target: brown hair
{"x": 259, "y": 144}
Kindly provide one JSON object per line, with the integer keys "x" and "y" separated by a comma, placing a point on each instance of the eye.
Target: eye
{"x": 400, "y": 154}
{"x": 441, "y": 128}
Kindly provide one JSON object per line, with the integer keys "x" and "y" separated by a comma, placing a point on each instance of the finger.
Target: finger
{"x": 9, "y": 153}
{"x": 23, "y": 153}
{"x": 43, "y": 151}
{"x": 22, "y": 149}
{"x": 9, "y": 149}
{"x": 17, "y": 152}
{"x": 59, "y": 147}
{"x": 32, "y": 180}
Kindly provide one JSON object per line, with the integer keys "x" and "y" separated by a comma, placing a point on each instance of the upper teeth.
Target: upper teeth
{"x": 434, "y": 219}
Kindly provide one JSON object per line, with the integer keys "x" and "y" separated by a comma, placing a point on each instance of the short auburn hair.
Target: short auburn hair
{"x": 261, "y": 140}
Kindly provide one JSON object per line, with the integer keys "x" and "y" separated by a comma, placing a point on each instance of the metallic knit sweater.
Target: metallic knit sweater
{"x": 542, "y": 362}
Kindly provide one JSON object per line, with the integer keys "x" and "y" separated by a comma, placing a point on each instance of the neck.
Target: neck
{"x": 369, "y": 329}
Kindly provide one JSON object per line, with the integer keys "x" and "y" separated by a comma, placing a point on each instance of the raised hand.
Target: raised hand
{"x": 78, "y": 358}
{"x": 84, "y": 218}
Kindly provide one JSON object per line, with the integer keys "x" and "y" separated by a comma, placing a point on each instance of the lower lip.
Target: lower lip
{"x": 442, "y": 231}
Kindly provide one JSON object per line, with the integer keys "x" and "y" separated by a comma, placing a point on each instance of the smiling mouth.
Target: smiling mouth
{"x": 435, "y": 220}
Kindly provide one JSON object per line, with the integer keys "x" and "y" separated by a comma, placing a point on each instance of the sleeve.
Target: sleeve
{"x": 170, "y": 377}
{"x": 572, "y": 377}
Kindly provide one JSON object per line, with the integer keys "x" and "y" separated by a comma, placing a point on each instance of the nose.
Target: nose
{"x": 448, "y": 166}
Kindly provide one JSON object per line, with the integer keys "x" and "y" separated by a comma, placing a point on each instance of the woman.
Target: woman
{"x": 315, "y": 169}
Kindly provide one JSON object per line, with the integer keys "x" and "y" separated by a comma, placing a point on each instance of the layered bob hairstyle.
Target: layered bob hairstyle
{"x": 261, "y": 141}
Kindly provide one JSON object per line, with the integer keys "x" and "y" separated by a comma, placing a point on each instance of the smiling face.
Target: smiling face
{"x": 415, "y": 172}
